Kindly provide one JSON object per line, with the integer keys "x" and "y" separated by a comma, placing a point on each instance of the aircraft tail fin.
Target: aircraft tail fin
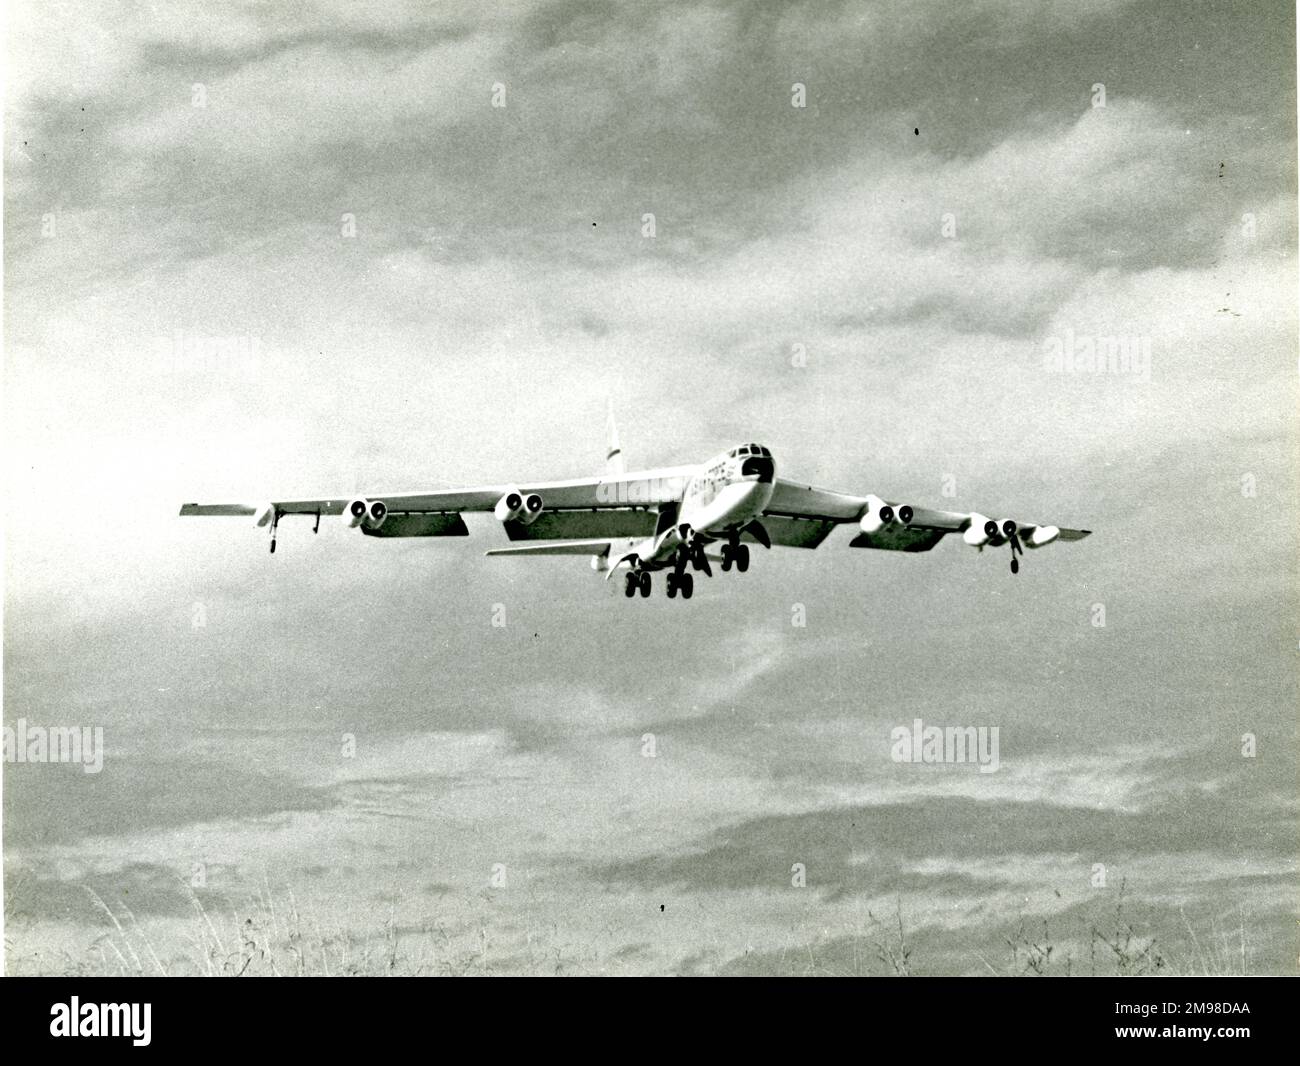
{"x": 614, "y": 465}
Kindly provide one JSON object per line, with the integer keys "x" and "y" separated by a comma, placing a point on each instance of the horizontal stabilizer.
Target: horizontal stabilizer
{"x": 563, "y": 547}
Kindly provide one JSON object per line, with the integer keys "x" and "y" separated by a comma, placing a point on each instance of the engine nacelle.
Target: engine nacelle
{"x": 978, "y": 533}
{"x": 356, "y": 512}
{"x": 364, "y": 512}
{"x": 509, "y": 507}
{"x": 982, "y": 530}
{"x": 880, "y": 514}
{"x": 532, "y": 508}
{"x": 1042, "y": 536}
{"x": 265, "y": 514}
{"x": 600, "y": 563}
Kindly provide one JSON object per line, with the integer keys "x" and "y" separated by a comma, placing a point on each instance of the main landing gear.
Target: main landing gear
{"x": 636, "y": 580}
{"x": 735, "y": 554}
{"x": 681, "y": 582}
{"x": 690, "y": 555}
{"x": 677, "y": 581}
{"x": 680, "y": 579}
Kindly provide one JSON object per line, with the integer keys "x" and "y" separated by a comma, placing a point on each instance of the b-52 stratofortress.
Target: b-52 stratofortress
{"x": 676, "y": 519}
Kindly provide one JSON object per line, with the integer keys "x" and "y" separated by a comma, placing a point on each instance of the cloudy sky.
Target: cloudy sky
{"x": 258, "y": 250}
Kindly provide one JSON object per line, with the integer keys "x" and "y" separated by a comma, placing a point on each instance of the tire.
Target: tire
{"x": 644, "y": 583}
{"x": 688, "y": 586}
{"x": 629, "y": 586}
{"x": 742, "y": 558}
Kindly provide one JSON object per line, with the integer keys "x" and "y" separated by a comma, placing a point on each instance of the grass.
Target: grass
{"x": 270, "y": 935}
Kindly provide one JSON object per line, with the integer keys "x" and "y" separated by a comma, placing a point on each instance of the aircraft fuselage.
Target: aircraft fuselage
{"x": 723, "y": 496}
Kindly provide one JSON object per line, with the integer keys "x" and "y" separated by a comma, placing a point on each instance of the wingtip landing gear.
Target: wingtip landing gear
{"x": 1016, "y": 546}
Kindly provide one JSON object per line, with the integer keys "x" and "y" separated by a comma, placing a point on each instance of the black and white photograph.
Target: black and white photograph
{"x": 704, "y": 488}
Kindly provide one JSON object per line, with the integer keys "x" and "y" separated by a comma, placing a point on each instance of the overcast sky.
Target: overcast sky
{"x": 418, "y": 289}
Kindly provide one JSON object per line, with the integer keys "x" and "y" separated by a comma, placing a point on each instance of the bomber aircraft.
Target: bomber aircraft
{"x": 677, "y": 519}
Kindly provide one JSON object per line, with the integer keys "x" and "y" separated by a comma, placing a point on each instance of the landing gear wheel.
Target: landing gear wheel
{"x": 742, "y": 558}
{"x": 728, "y": 557}
{"x": 687, "y": 583}
{"x": 672, "y": 586}
{"x": 644, "y": 583}
{"x": 1015, "y": 565}
{"x": 629, "y": 585}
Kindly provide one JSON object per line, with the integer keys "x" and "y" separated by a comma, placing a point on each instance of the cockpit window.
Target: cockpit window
{"x": 760, "y": 466}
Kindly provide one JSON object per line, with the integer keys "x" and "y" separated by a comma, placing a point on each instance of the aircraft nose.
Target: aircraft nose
{"x": 761, "y": 466}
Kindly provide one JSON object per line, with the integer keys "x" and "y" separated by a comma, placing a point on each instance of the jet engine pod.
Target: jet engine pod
{"x": 376, "y": 514}
{"x": 877, "y": 515}
{"x": 1008, "y": 528}
{"x": 509, "y": 507}
{"x": 532, "y": 508}
{"x": 265, "y": 514}
{"x": 905, "y": 514}
{"x": 980, "y": 531}
{"x": 1043, "y": 535}
{"x": 356, "y": 512}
